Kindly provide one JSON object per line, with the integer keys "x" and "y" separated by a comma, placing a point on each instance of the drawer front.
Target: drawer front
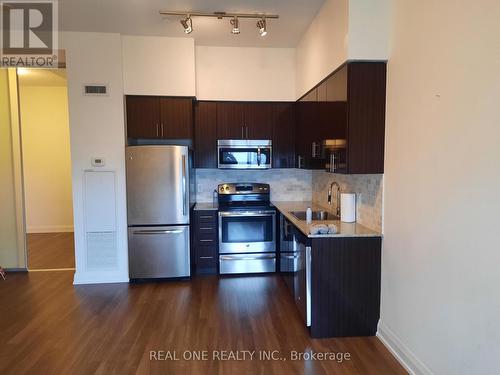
{"x": 206, "y": 264}
{"x": 210, "y": 251}
{"x": 249, "y": 263}
{"x": 204, "y": 239}
{"x": 207, "y": 228}
{"x": 206, "y": 216}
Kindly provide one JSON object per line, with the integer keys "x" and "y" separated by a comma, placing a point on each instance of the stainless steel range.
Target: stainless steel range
{"x": 247, "y": 229}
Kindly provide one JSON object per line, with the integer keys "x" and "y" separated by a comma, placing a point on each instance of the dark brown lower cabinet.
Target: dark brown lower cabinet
{"x": 345, "y": 286}
{"x": 205, "y": 243}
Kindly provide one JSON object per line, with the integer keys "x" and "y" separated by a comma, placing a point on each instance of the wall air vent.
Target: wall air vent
{"x": 95, "y": 90}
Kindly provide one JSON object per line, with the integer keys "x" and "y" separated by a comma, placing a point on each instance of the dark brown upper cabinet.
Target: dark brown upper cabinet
{"x": 205, "y": 135}
{"x": 284, "y": 135}
{"x": 350, "y": 106}
{"x": 259, "y": 120}
{"x": 176, "y": 118}
{"x": 231, "y": 120}
{"x": 153, "y": 117}
{"x": 143, "y": 117}
{"x": 244, "y": 120}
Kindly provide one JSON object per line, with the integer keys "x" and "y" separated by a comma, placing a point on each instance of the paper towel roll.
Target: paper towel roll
{"x": 348, "y": 207}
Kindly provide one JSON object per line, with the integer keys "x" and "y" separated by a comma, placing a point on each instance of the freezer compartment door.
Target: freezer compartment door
{"x": 159, "y": 252}
{"x": 247, "y": 263}
{"x": 157, "y": 185}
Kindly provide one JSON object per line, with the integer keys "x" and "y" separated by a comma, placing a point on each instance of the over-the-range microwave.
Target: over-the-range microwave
{"x": 244, "y": 154}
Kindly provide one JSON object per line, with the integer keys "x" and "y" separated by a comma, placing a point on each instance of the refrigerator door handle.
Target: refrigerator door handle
{"x": 184, "y": 188}
{"x": 145, "y": 232}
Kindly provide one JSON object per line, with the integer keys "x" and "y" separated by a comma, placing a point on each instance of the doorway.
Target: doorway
{"x": 46, "y": 164}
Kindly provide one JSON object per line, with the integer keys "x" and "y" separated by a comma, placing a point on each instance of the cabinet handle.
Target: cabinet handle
{"x": 242, "y": 136}
{"x": 162, "y": 129}
{"x": 206, "y": 217}
{"x": 206, "y": 228}
{"x": 246, "y": 127}
{"x": 206, "y": 257}
{"x": 157, "y": 130}
{"x": 206, "y": 240}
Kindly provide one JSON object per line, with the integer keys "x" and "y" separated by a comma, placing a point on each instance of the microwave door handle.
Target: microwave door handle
{"x": 258, "y": 156}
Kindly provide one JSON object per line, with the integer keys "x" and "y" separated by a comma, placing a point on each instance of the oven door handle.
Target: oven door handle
{"x": 246, "y": 213}
{"x": 247, "y": 257}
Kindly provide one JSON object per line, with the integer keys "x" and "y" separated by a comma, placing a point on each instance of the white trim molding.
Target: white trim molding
{"x": 50, "y": 229}
{"x": 99, "y": 278}
{"x": 401, "y": 352}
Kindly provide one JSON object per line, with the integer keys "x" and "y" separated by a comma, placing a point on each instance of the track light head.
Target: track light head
{"x": 187, "y": 24}
{"x": 236, "y": 25}
{"x": 261, "y": 25}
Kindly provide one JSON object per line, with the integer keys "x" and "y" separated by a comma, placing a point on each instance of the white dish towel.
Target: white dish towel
{"x": 322, "y": 229}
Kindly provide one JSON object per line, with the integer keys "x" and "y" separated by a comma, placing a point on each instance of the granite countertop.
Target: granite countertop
{"x": 206, "y": 206}
{"x": 344, "y": 229}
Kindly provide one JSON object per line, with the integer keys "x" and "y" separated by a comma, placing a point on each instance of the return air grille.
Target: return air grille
{"x": 95, "y": 90}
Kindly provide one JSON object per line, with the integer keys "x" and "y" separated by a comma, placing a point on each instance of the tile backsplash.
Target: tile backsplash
{"x": 302, "y": 185}
{"x": 286, "y": 184}
{"x": 368, "y": 189}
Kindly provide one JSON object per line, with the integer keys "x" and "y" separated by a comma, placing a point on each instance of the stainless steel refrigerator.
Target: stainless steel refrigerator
{"x": 158, "y": 204}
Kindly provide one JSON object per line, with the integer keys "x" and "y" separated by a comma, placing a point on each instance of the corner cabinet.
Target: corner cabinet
{"x": 347, "y": 106}
{"x": 153, "y": 117}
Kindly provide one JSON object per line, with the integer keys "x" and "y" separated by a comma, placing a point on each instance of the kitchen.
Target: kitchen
{"x": 245, "y": 227}
{"x": 286, "y": 177}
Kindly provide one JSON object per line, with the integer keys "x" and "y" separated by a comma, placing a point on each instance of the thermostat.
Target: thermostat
{"x": 98, "y": 162}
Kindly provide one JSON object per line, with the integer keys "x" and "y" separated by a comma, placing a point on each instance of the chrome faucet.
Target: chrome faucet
{"x": 337, "y": 195}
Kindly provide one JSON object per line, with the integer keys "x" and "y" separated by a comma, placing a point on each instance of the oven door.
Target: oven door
{"x": 247, "y": 231}
{"x": 249, "y": 157}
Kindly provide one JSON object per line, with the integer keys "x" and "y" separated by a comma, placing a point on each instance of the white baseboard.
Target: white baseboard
{"x": 401, "y": 352}
{"x": 50, "y": 229}
{"x": 80, "y": 279}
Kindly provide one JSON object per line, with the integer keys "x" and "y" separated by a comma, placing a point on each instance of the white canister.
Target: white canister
{"x": 348, "y": 207}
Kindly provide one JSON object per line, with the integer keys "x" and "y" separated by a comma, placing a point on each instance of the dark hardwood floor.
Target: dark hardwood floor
{"x": 49, "y": 326}
{"x": 50, "y": 250}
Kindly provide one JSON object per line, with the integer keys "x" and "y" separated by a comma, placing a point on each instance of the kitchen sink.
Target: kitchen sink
{"x": 316, "y": 215}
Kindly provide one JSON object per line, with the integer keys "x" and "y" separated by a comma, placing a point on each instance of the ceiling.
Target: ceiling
{"x": 42, "y": 77}
{"x": 141, "y": 17}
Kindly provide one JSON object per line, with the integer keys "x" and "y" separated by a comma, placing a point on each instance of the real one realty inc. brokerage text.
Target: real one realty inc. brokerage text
{"x": 246, "y": 355}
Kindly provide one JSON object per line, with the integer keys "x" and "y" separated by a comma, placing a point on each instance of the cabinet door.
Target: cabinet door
{"x": 205, "y": 135}
{"x": 176, "y": 117}
{"x": 336, "y": 86}
{"x": 284, "y": 135}
{"x": 366, "y": 114}
{"x": 259, "y": 120}
{"x": 311, "y": 96}
{"x": 143, "y": 117}
{"x": 230, "y": 120}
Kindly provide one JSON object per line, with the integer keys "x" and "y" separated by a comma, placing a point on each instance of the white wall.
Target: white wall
{"x": 324, "y": 46}
{"x": 440, "y": 298}
{"x": 236, "y": 73}
{"x": 342, "y": 30}
{"x": 158, "y": 66}
{"x": 96, "y": 129}
{"x": 369, "y": 29}
{"x": 46, "y": 158}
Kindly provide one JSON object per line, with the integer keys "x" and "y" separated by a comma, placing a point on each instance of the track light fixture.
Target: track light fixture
{"x": 261, "y": 25}
{"x": 236, "y": 25}
{"x": 187, "y": 22}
